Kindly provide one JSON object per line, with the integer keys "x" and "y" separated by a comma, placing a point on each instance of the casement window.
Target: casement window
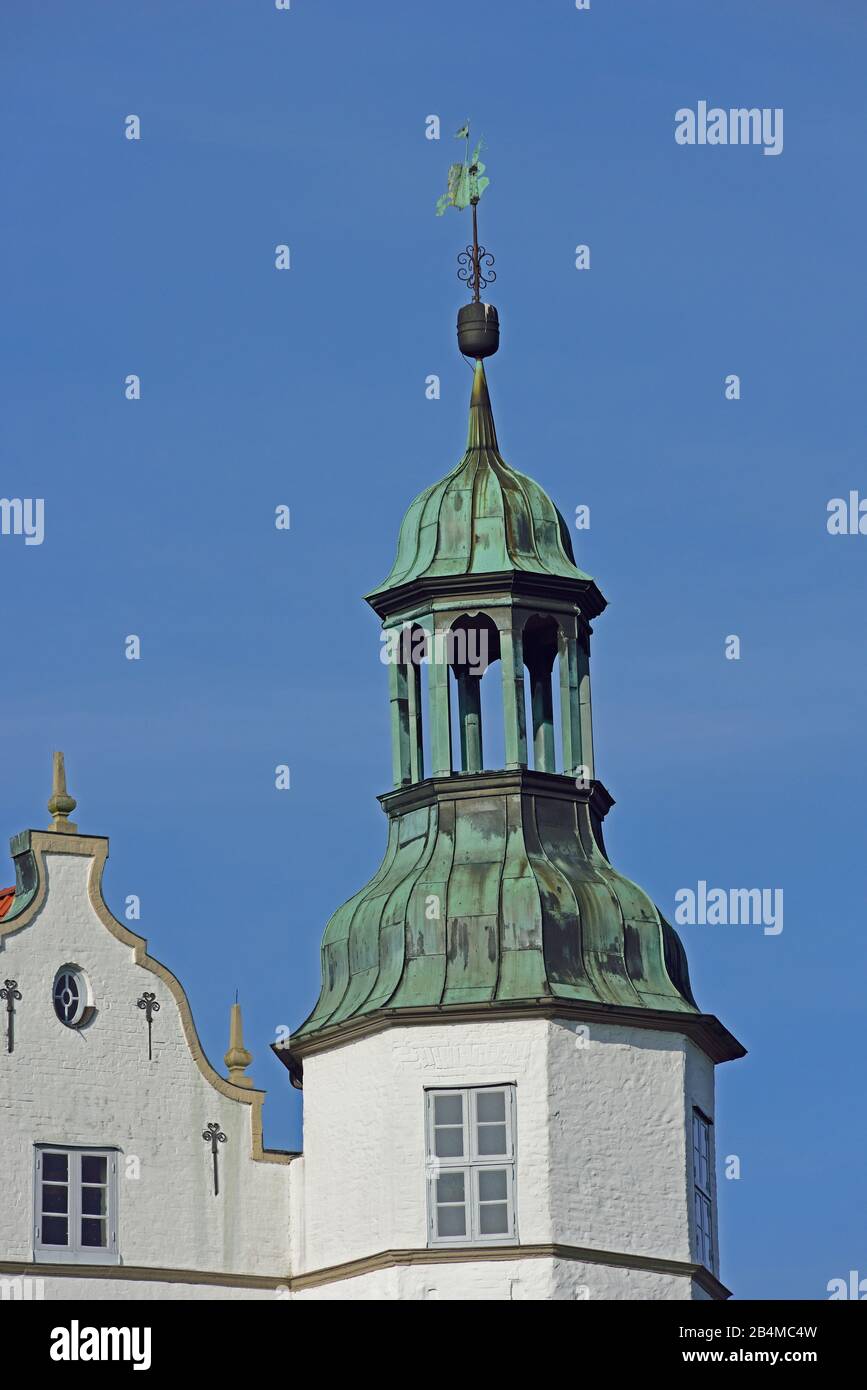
{"x": 471, "y": 1165}
{"x": 75, "y": 1206}
{"x": 702, "y": 1177}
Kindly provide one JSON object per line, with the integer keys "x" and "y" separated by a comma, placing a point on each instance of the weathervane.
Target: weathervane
{"x": 478, "y": 323}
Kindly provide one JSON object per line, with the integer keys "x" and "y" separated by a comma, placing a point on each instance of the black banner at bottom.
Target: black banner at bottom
{"x": 60, "y": 1338}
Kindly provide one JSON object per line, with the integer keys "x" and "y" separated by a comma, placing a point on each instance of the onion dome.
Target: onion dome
{"x": 483, "y": 519}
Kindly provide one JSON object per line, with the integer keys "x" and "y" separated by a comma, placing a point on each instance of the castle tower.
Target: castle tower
{"x": 508, "y": 1085}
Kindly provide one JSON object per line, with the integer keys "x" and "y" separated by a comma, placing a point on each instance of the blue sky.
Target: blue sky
{"x": 708, "y": 516}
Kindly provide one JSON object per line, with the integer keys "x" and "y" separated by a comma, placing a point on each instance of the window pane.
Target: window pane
{"x": 66, "y": 996}
{"x": 494, "y": 1219}
{"x": 449, "y": 1143}
{"x": 492, "y": 1139}
{"x": 93, "y": 1201}
{"x": 704, "y": 1240}
{"x": 449, "y": 1110}
{"x": 54, "y": 1230}
{"x": 451, "y": 1221}
{"x": 492, "y": 1185}
{"x": 93, "y": 1168}
{"x": 491, "y": 1105}
{"x": 450, "y": 1187}
{"x": 55, "y": 1167}
{"x": 92, "y": 1231}
{"x": 54, "y": 1197}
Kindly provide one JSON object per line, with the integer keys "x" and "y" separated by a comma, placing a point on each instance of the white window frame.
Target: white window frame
{"x": 74, "y": 1252}
{"x": 702, "y": 1185}
{"x": 471, "y": 1163}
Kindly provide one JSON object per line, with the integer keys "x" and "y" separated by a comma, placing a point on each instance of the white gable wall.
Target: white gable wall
{"x": 95, "y": 1087}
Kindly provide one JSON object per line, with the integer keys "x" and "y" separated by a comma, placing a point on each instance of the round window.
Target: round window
{"x": 70, "y": 996}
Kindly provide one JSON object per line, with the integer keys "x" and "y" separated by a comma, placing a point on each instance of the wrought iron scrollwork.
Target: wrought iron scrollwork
{"x": 10, "y": 993}
{"x": 215, "y": 1136}
{"x": 474, "y": 268}
{"x": 150, "y": 1004}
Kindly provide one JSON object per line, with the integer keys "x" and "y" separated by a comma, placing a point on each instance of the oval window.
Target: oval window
{"x": 70, "y": 996}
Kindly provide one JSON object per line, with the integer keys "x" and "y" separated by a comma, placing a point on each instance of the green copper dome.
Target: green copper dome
{"x": 495, "y": 890}
{"x": 482, "y": 518}
{"x": 496, "y": 896}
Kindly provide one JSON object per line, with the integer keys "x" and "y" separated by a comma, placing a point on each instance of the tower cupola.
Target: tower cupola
{"x": 496, "y": 895}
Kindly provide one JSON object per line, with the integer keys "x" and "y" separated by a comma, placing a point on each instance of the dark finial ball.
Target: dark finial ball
{"x": 478, "y": 330}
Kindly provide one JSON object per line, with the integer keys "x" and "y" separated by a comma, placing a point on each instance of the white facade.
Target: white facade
{"x": 604, "y": 1163}
{"x": 94, "y": 1086}
{"x": 603, "y": 1176}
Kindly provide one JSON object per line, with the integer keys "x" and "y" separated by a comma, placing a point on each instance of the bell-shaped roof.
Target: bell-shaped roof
{"x": 529, "y": 911}
{"x": 482, "y": 518}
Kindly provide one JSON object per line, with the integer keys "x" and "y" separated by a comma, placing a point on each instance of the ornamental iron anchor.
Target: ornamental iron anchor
{"x": 216, "y": 1136}
{"x": 10, "y": 993}
{"x": 150, "y": 1004}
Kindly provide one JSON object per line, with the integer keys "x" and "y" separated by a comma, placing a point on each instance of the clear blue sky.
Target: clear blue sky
{"x": 307, "y": 388}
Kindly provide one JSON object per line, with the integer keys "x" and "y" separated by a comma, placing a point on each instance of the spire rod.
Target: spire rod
{"x": 60, "y": 803}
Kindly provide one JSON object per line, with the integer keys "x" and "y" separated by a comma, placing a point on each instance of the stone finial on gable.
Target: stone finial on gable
{"x": 237, "y": 1058}
{"x": 60, "y": 803}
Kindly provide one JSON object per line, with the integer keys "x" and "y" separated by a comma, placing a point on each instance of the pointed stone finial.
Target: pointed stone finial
{"x": 482, "y": 432}
{"x": 237, "y": 1058}
{"x": 60, "y": 803}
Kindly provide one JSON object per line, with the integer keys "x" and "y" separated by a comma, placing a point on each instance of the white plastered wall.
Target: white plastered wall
{"x": 96, "y": 1087}
{"x": 603, "y": 1156}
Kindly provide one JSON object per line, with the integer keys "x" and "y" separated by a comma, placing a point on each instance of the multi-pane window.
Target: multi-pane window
{"x": 75, "y": 1217}
{"x": 702, "y": 1176}
{"x": 471, "y": 1165}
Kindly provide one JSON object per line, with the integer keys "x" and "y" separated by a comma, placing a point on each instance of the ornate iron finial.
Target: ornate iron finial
{"x": 237, "y": 1058}
{"x": 216, "y": 1136}
{"x": 478, "y": 323}
{"x": 10, "y": 993}
{"x": 60, "y": 803}
{"x": 151, "y": 1006}
{"x": 466, "y": 184}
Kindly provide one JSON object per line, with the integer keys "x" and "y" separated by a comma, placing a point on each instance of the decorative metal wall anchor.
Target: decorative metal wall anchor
{"x": 10, "y": 993}
{"x": 150, "y": 1004}
{"x": 216, "y": 1136}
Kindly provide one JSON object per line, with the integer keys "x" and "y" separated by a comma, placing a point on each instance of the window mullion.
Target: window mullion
{"x": 473, "y": 1203}
{"x": 74, "y": 1202}
{"x": 111, "y": 1204}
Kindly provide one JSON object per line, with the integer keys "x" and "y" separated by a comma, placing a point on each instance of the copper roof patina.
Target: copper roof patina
{"x": 496, "y": 891}
{"x": 482, "y": 518}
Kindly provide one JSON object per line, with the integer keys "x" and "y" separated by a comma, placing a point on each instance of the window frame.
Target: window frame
{"x": 85, "y": 1010}
{"x": 75, "y": 1252}
{"x": 703, "y": 1188}
{"x": 471, "y": 1163}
